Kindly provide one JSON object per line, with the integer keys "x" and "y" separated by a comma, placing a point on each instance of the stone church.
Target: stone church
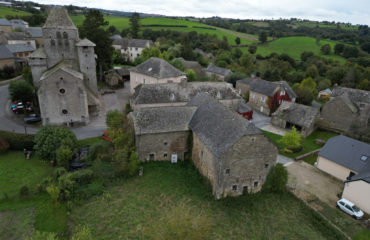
{"x": 64, "y": 73}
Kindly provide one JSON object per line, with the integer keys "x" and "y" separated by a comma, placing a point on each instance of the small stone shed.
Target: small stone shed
{"x": 291, "y": 114}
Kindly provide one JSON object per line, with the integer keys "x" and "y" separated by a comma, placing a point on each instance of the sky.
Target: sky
{"x": 353, "y": 11}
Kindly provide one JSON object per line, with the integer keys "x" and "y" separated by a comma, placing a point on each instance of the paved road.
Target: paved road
{"x": 14, "y": 123}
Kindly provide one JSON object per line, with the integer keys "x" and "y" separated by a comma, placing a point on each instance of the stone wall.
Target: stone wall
{"x": 86, "y": 58}
{"x": 162, "y": 145}
{"x": 242, "y": 87}
{"x": 137, "y": 78}
{"x": 259, "y": 102}
{"x": 337, "y": 115}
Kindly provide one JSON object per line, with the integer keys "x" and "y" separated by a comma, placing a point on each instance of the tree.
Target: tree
{"x": 292, "y": 140}
{"x": 366, "y": 47}
{"x": 135, "y": 25}
{"x": 48, "y": 139}
{"x": 237, "y": 53}
{"x": 232, "y": 78}
{"x": 304, "y": 95}
{"x": 364, "y": 85}
{"x": 306, "y": 55}
{"x": 312, "y": 71}
{"x": 133, "y": 163}
{"x": 247, "y": 62}
{"x": 276, "y": 179}
{"x": 93, "y": 29}
{"x": 350, "y": 52}
{"x": 178, "y": 64}
{"x": 262, "y": 37}
{"x": 338, "y": 48}
{"x": 112, "y": 30}
{"x": 64, "y": 156}
{"x": 54, "y": 193}
{"x": 308, "y": 83}
{"x": 252, "y": 49}
{"x": 237, "y": 40}
{"x": 324, "y": 84}
{"x": 325, "y": 49}
{"x": 4, "y": 145}
{"x": 114, "y": 119}
{"x": 190, "y": 75}
{"x": 27, "y": 75}
{"x": 21, "y": 90}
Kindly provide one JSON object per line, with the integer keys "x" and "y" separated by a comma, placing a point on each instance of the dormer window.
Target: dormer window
{"x": 282, "y": 93}
{"x": 172, "y": 96}
{"x": 364, "y": 158}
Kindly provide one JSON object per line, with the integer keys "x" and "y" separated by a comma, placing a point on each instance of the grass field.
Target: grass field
{"x": 123, "y": 23}
{"x": 308, "y": 142}
{"x": 167, "y": 193}
{"x": 295, "y": 46}
{"x": 16, "y": 172}
{"x": 11, "y": 11}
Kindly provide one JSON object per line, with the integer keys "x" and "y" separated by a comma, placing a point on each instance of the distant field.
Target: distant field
{"x": 295, "y": 46}
{"x": 123, "y": 23}
{"x": 322, "y": 25}
{"x": 11, "y": 11}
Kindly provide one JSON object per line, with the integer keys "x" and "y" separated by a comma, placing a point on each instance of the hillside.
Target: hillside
{"x": 159, "y": 23}
{"x": 11, "y": 11}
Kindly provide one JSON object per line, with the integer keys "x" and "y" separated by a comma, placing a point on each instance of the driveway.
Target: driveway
{"x": 14, "y": 123}
{"x": 307, "y": 181}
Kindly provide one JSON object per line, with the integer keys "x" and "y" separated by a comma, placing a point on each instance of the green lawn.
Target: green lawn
{"x": 123, "y": 23}
{"x": 308, "y": 143}
{"x": 11, "y": 11}
{"x": 16, "y": 172}
{"x": 310, "y": 159}
{"x": 295, "y": 46}
{"x": 170, "y": 193}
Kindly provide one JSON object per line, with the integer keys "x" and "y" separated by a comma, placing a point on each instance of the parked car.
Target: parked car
{"x": 32, "y": 118}
{"x": 350, "y": 208}
{"x": 17, "y": 107}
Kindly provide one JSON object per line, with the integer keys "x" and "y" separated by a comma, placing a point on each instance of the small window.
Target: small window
{"x": 218, "y": 95}
{"x": 165, "y": 155}
{"x": 65, "y": 35}
{"x": 52, "y": 42}
{"x": 255, "y": 184}
{"x": 61, "y": 78}
{"x": 64, "y": 111}
{"x": 85, "y": 55}
{"x": 62, "y": 90}
{"x": 165, "y": 143}
{"x": 235, "y": 187}
{"x": 282, "y": 93}
{"x": 266, "y": 165}
{"x": 227, "y": 171}
{"x": 364, "y": 158}
{"x": 253, "y": 139}
{"x": 59, "y": 35}
{"x": 136, "y": 49}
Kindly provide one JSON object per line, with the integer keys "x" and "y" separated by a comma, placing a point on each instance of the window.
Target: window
{"x": 151, "y": 157}
{"x": 282, "y": 93}
{"x": 62, "y": 90}
{"x": 165, "y": 155}
{"x": 52, "y": 42}
{"x": 218, "y": 95}
{"x": 363, "y": 158}
{"x": 64, "y": 111}
{"x": 201, "y": 153}
{"x": 266, "y": 165}
{"x": 165, "y": 143}
{"x": 263, "y": 99}
{"x": 255, "y": 184}
{"x": 136, "y": 49}
{"x": 349, "y": 208}
{"x": 172, "y": 96}
{"x": 59, "y": 35}
{"x": 341, "y": 203}
{"x": 227, "y": 171}
{"x": 235, "y": 187}
{"x": 65, "y": 35}
{"x": 245, "y": 189}
{"x": 253, "y": 139}
{"x": 61, "y": 78}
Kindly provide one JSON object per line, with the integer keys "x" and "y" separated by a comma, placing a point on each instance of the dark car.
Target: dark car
{"x": 32, "y": 118}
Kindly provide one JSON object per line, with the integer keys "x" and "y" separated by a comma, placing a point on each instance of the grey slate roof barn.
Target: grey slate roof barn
{"x": 20, "y": 48}
{"x": 157, "y": 68}
{"x": 218, "y": 72}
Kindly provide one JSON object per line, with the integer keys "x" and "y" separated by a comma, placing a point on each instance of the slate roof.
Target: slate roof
{"x": 217, "y": 126}
{"x": 346, "y": 152}
{"x": 297, "y": 114}
{"x": 125, "y": 42}
{"x": 246, "y": 80}
{"x": 267, "y": 88}
{"x": 35, "y": 32}
{"x": 18, "y": 48}
{"x": 363, "y": 175}
{"x": 18, "y": 23}
{"x": 181, "y": 92}
{"x": 58, "y": 18}
{"x": 6, "y": 36}
{"x": 288, "y": 89}
{"x": 5, "y": 53}
{"x": 218, "y": 70}
{"x": 157, "y": 68}
{"x": 116, "y": 36}
{"x": 4, "y": 22}
{"x": 354, "y": 95}
{"x": 39, "y": 53}
{"x": 85, "y": 43}
{"x": 162, "y": 119}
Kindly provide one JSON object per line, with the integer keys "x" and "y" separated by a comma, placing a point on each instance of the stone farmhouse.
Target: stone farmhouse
{"x": 348, "y": 160}
{"x": 154, "y": 71}
{"x": 291, "y": 114}
{"x": 217, "y": 73}
{"x": 265, "y": 96}
{"x": 179, "y": 94}
{"x": 131, "y": 48}
{"x": 231, "y": 152}
{"x": 347, "y": 111}
{"x": 64, "y": 73}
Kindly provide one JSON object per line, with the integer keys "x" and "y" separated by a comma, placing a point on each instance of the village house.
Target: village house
{"x": 6, "y": 57}
{"x": 19, "y": 24}
{"x": 324, "y": 94}
{"x": 300, "y": 116}
{"x": 5, "y": 25}
{"x": 16, "y": 38}
{"x": 217, "y": 73}
{"x": 348, "y": 160}
{"x": 131, "y": 48}
{"x": 179, "y": 94}
{"x": 265, "y": 96}
{"x": 21, "y": 50}
{"x": 231, "y": 152}
{"x": 35, "y": 33}
{"x": 64, "y": 73}
{"x": 347, "y": 111}
{"x": 154, "y": 71}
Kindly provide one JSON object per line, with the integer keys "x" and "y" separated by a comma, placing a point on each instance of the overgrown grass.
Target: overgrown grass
{"x": 16, "y": 172}
{"x": 11, "y": 11}
{"x": 135, "y": 205}
{"x": 308, "y": 142}
{"x": 310, "y": 159}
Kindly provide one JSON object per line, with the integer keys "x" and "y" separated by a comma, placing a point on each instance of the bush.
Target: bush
{"x": 43, "y": 236}
{"x": 18, "y": 141}
{"x": 276, "y": 179}
{"x": 24, "y": 191}
{"x": 4, "y": 145}
{"x": 325, "y": 49}
{"x": 100, "y": 150}
{"x": 48, "y": 139}
{"x": 21, "y": 90}
{"x": 82, "y": 233}
{"x": 64, "y": 156}
{"x": 252, "y": 49}
{"x": 292, "y": 140}
{"x": 190, "y": 75}
{"x": 54, "y": 193}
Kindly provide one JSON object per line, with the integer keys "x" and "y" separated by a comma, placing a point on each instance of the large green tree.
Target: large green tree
{"x": 21, "y": 90}
{"x": 135, "y": 25}
{"x": 93, "y": 29}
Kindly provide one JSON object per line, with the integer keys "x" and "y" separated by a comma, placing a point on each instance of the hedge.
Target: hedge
{"x": 18, "y": 141}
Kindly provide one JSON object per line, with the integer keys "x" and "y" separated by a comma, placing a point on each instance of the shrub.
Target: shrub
{"x": 21, "y": 90}
{"x": 48, "y": 139}
{"x": 4, "y": 145}
{"x": 54, "y": 193}
{"x": 24, "y": 191}
{"x": 252, "y": 49}
{"x": 64, "y": 156}
{"x": 43, "y": 236}
{"x": 18, "y": 141}
{"x": 325, "y": 49}
{"x": 99, "y": 150}
{"x": 292, "y": 140}
{"x": 276, "y": 179}
{"x": 133, "y": 163}
{"x": 82, "y": 233}
{"x": 190, "y": 75}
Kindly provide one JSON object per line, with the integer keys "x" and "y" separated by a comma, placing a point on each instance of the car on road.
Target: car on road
{"x": 350, "y": 208}
{"x": 32, "y": 118}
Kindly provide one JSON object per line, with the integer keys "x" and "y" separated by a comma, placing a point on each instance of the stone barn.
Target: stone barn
{"x": 291, "y": 114}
